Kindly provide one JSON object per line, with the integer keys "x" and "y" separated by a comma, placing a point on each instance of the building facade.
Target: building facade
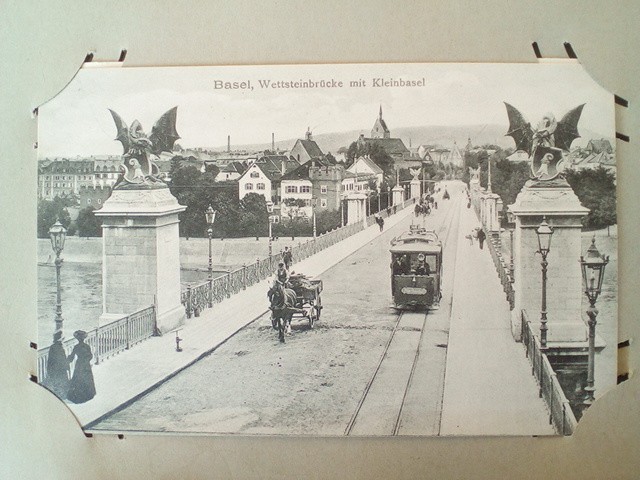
{"x": 305, "y": 150}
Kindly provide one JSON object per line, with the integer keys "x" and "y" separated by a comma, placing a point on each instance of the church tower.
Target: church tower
{"x": 469, "y": 147}
{"x": 380, "y": 129}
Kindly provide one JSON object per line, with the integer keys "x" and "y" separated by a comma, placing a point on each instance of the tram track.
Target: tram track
{"x": 403, "y": 318}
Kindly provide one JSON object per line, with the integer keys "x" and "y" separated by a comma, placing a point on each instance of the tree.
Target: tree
{"x": 254, "y": 218}
{"x": 596, "y": 190}
{"x": 49, "y": 212}
{"x": 376, "y": 152}
{"x": 212, "y": 169}
{"x": 88, "y": 224}
{"x": 327, "y": 220}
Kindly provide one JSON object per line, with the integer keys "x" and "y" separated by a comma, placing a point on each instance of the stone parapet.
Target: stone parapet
{"x": 556, "y": 202}
{"x": 141, "y": 255}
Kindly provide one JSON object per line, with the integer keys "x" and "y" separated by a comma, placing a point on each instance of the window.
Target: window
{"x": 323, "y": 189}
{"x": 323, "y": 202}
{"x": 291, "y": 189}
{"x": 307, "y": 202}
{"x": 99, "y": 202}
{"x": 260, "y": 186}
{"x": 88, "y": 201}
{"x": 255, "y": 175}
{"x": 305, "y": 189}
{"x": 248, "y": 186}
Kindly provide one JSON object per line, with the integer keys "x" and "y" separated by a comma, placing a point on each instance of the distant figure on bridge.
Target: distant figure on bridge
{"x": 287, "y": 257}
{"x": 379, "y": 221}
{"x": 481, "y": 237}
{"x": 57, "y": 368}
{"x": 81, "y": 388}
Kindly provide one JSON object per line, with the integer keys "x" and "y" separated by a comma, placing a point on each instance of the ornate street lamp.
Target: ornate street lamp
{"x": 210, "y": 215}
{"x": 544, "y": 233}
{"x": 269, "y": 212}
{"x": 58, "y": 234}
{"x": 314, "y": 200}
{"x": 592, "y": 275}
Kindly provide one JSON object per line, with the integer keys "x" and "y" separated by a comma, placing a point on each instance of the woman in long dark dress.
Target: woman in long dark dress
{"x": 57, "y": 368}
{"x": 81, "y": 388}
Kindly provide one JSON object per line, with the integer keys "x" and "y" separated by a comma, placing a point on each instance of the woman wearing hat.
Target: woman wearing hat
{"x": 81, "y": 388}
{"x": 57, "y": 368}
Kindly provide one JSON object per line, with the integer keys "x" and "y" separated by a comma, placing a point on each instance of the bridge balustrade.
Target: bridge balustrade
{"x": 196, "y": 298}
{"x": 108, "y": 340}
{"x": 504, "y": 272}
{"x": 560, "y": 414}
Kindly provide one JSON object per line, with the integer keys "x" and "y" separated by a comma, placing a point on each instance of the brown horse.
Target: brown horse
{"x": 283, "y": 306}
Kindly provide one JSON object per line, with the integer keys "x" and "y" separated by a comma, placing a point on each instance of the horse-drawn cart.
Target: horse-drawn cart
{"x": 307, "y": 304}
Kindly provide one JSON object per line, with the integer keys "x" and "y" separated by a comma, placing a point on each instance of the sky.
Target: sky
{"x": 77, "y": 120}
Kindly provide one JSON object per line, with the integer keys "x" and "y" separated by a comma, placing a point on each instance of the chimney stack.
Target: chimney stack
{"x": 273, "y": 142}
{"x": 228, "y": 143}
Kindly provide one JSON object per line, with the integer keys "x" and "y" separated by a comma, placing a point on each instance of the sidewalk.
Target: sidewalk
{"x": 132, "y": 373}
{"x": 489, "y": 389}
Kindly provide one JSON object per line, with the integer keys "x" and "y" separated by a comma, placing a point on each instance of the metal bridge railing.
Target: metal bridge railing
{"x": 110, "y": 339}
{"x": 504, "y": 272}
{"x": 560, "y": 413}
{"x": 196, "y": 298}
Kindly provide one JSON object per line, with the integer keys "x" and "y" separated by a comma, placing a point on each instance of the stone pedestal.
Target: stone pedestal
{"x": 141, "y": 254}
{"x": 415, "y": 188}
{"x": 558, "y": 203}
{"x": 397, "y": 194}
{"x": 356, "y": 208}
{"x": 490, "y": 212}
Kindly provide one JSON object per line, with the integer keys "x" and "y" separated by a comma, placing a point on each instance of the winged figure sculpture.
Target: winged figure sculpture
{"x": 138, "y": 167}
{"x": 546, "y": 142}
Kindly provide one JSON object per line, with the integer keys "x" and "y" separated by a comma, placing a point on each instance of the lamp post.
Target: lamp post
{"x": 592, "y": 275}
{"x": 210, "y": 215}
{"x": 313, "y": 212}
{"x": 379, "y": 191}
{"x": 269, "y": 212}
{"x": 58, "y": 234}
{"x": 544, "y": 233}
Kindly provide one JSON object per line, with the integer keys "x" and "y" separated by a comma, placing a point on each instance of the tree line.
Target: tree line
{"x": 595, "y": 188}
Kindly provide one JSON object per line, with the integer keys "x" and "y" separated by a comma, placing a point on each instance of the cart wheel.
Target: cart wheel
{"x": 318, "y": 307}
{"x": 313, "y": 316}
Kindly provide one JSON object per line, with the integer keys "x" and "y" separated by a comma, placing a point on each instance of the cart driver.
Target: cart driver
{"x": 282, "y": 275}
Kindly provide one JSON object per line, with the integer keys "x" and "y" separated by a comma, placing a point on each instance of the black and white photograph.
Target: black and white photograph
{"x": 328, "y": 250}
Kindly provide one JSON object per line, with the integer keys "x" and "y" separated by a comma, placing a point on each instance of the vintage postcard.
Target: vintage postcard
{"x": 364, "y": 250}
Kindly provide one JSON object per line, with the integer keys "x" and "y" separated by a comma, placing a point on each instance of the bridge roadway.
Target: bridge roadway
{"x": 363, "y": 370}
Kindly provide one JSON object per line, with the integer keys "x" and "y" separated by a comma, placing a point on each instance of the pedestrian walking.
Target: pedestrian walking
{"x": 57, "y": 368}
{"x": 81, "y": 387}
{"x": 287, "y": 257}
{"x": 481, "y": 237}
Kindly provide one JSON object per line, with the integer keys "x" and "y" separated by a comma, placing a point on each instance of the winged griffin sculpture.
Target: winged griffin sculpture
{"x": 138, "y": 169}
{"x": 546, "y": 142}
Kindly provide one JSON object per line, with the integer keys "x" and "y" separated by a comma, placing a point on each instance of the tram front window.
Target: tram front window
{"x": 422, "y": 264}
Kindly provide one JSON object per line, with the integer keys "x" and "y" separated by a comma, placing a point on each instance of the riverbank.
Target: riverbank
{"x": 226, "y": 254}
